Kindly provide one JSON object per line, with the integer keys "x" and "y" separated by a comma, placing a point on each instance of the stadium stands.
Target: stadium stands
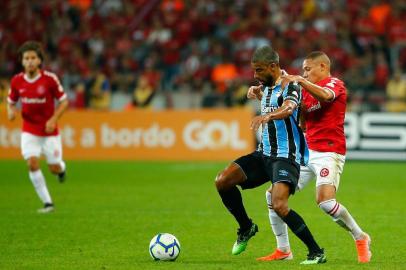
{"x": 193, "y": 53}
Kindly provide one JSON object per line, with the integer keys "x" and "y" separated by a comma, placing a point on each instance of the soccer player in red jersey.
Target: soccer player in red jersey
{"x": 37, "y": 90}
{"x": 324, "y": 102}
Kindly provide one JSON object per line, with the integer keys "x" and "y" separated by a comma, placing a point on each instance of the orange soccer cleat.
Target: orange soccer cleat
{"x": 363, "y": 249}
{"x": 277, "y": 255}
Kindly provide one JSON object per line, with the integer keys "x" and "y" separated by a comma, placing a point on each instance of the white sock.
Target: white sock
{"x": 342, "y": 217}
{"x": 38, "y": 180}
{"x": 279, "y": 227}
{"x": 63, "y": 166}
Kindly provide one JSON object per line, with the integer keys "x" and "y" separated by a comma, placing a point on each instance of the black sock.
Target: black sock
{"x": 298, "y": 227}
{"x": 233, "y": 201}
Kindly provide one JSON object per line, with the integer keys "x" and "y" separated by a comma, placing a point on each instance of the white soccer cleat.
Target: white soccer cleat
{"x": 48, "y": 208}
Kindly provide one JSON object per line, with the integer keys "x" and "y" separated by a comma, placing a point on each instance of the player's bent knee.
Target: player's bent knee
{"x": 330, "y": 207}
{"x": 33, "y": 164}
{"x": 280, "y": 207}
{"x": 55, "y": 169}
{"x": 222, "y": 181}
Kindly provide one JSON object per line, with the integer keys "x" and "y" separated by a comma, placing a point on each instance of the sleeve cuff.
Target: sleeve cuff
{"x": 10, "y": 101}
{"x": 63, "y": 97}
{"x": 334, "y": 94}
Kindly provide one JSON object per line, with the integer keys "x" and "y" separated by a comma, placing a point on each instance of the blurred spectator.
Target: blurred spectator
{"x": 201, "y": 47}
{"x": 142, "y": 95}
{"x": 79, "y": 100}
{"x": 396, "y": 93}
{"x": 236, "y": 95}
{"x": 99, "y": 92}
{"x": 4, "y": 86}
{"x": 223, "y": 74}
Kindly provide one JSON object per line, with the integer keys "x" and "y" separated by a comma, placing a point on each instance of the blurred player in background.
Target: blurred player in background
{"x": 324, "y": 102}
{"x": 37, "y": 90}
{"x": 278, "y": 157}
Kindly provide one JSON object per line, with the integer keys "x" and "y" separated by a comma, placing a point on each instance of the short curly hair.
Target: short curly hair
{"x": 31, "y": 46}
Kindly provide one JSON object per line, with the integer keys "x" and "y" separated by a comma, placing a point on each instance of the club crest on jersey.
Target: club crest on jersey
{"x": 41, "y": 90}
{"x": 324, "y": 172}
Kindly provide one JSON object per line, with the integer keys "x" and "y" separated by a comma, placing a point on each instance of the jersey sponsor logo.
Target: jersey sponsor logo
{"x": 324, "y": 172}
{"x": 33, "y": 100}
{"x": 314, "y": 107}
{"x": 269, "y": 109}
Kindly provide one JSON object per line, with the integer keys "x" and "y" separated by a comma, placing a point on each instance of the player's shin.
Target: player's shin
{"x": 342, "y": 217}
{"x": 279, "y": 227}
{"x": 38, "y": 180}
{"x": 233, "y": 202}
{"x": 300, "y": 229}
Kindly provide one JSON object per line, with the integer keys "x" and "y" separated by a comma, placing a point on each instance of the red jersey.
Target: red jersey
{"x": 37, "y": 100}
{"x": 325, "y": 120}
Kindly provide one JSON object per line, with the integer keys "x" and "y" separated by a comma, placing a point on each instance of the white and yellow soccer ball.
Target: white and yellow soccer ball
{"x": 164, "y": 247}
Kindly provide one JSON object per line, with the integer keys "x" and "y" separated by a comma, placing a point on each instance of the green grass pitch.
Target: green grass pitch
{"x": 107, "y": 212}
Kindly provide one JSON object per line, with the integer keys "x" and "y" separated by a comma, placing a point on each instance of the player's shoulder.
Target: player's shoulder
{"x": 17, "y": 77}
{"x": 330, "y": 81}
{"x": 50, "y": 75}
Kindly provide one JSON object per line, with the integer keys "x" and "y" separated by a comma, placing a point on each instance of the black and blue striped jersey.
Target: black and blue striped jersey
{"x": 283, "y": 138}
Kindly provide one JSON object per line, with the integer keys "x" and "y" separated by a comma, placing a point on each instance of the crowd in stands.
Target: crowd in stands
{"x": 122, "y": 54}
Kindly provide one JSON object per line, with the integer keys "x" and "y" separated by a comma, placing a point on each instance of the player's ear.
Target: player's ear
{"x": 323, "y": 66}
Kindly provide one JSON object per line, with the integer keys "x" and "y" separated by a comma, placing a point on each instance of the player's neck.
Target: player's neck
{"x": 277, "y": 79}
{"x": 33, "y": 74}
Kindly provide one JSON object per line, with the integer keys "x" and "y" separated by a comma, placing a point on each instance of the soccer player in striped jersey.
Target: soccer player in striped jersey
{"x": 37, "y": 91}
{"x": 278, "y": 157}
{"x": 324, "y": 105}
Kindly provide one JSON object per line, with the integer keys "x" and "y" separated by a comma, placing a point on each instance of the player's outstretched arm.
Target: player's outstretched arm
{"x": 282, "y": 112}
{"x": 319, "y": 93}
{"x": 51, "y": 123}
{"x": 11, "y": 111}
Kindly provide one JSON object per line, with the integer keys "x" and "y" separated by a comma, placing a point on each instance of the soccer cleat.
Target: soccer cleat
{"x": 242, "y": 239}
{"x": 315, "y": 258}
{"x": 277, "y": 255}
{"x": 48, "y": 207}
{"x": 363, "y": 249}
{"x": 62, "y": 176}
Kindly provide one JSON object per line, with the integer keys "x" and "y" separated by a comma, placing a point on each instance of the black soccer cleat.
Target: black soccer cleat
{"x": 62, "y": 176}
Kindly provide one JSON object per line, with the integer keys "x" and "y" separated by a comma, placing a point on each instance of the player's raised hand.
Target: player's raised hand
{"x": 286, "y": 79}
{"x": 257, "y": 121}
{"x": 50, "y": 125}
{"x": 255, "y": 92}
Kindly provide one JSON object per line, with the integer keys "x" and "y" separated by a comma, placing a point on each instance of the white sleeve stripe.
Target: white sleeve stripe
{"x": 11, "y": 101}
{"x": 55, "y": 78}
{"x": 292, "y": 99}
{"x": 334, "y": 94}
{"x": 64, "y": 96}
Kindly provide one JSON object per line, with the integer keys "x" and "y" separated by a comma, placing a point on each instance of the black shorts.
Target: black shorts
{"x": 260, "y": 169}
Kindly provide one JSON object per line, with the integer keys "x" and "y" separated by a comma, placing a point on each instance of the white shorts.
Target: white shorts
{"x": 325, "y": 167}
{"x": 49, "y": 146}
